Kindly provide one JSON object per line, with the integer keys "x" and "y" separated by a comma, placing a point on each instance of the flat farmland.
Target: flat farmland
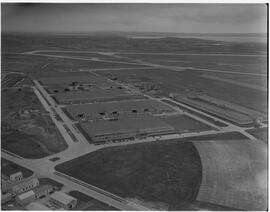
{"x": 27, "y": 130}
{"x": 251, "y": 82}
{"x": 184, "y": 123}
{"x": 167, "y": 173}
{"x": 234, "y": 173}
{"x": 22, "y": 63}
{"x": 87, "y": 55}
{"x": 183, "y": 81}
{"x": 78, "y": 62}
{"x": 249, "y": 64}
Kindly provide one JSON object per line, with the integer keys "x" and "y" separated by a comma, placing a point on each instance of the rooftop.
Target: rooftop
{"x": 26, "y": 195}
{"x": 41, "y": 188}
{"x": 92, "y": 94}
{"x": 26, "y": 182}
{"x": 85, "y": 79}
{"x": 121, "y": 106}
{"x": 126, "y": 124}
{"x": 62, "y": 197}
{"x": 34, "y": 206}
{"x": 16, "y": 174}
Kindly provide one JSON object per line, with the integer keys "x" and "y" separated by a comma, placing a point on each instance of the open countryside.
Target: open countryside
{"x": 126, "y": 121}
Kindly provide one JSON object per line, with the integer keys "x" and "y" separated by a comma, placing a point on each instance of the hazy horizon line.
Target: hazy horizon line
{"x": 145, "y": 32}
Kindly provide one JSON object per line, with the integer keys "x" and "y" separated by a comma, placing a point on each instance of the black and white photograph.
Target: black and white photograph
{"x": 134, "y": 106}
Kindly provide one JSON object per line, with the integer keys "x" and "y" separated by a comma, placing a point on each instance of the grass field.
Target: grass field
{"x": 88, "y": 56}
{"x": 215, "y": 62}
{"x": 23, "y": 145}
{"x": 27, "y": 129}
{"x": 8, "y": 168}
{"x": 23, "y": 63}
{"x": 184, "y": 123}
{"x": 182, "y": 81}
{"x": 161, "y": 172}
{"x": 234, "y": 173}
{"x": 260, "y": 133}
{"x": 113, "y": 42}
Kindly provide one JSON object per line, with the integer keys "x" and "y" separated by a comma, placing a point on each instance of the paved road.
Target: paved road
{"x": 150, "y": 53}
{"x": 62, "y": 115}
{"x": 45, "y": 167}
{"x": 230, "y": 128}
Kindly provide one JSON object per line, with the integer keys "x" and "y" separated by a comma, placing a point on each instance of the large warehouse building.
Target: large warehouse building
{"x": 126, "y": 128}
{"x": 65, "y": 80}
{"x": 95, "y": 95}
{"x": 111, "y": 109}
{"x": 228, "y": 111}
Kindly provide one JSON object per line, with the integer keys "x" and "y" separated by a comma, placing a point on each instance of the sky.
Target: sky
{"x": 181, "y": 18}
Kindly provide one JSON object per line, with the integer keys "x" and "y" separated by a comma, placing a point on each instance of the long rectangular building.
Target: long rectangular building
{"x": 99, "y": 110}
{"x": 126, "y": 127}
{"x": 225, "y": 110}
{"x": 64, "y": 80}
{"x": 96, "y": 95}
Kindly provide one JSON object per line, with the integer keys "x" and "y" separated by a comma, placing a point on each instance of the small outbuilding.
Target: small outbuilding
{"x": 42, "y": 191}
{"x": 62, "y": 200}
{"x": 18, "y": 176}
{"x": 35, "y": 206}
{"x": 25, "y": 198}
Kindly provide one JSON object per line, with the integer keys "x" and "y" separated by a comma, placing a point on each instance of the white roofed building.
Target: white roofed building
{"x": 25, "y": 198}
{"x": 62, "y": 200}
{"x": 34, "y": 206}
{"x": 16, "y": 176}
{"x": 25, "y": 186}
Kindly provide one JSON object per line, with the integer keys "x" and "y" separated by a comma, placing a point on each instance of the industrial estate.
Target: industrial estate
{"x": 100, "y": 129}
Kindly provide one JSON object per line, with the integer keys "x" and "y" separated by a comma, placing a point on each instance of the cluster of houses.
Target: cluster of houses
{"x": 26, "y": 192}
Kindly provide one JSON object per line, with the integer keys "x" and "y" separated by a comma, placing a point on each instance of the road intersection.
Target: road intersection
{"x": 46, "y": 167}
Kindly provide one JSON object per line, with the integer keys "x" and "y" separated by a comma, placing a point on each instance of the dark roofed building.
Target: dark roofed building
{"x": 96, "y": 95}
{"x": 126, "y": 127}
{"x": 65, "y": 80}
{"x": 97, "y": 110}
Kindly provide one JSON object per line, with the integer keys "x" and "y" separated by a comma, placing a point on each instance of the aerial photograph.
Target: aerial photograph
{"x": 134, "y": 106}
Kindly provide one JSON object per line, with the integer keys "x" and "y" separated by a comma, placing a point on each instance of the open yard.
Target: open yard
{"x": 160, "y": 173}
{"x": 234, "y": 173}
{"x": 183, "y": 124}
